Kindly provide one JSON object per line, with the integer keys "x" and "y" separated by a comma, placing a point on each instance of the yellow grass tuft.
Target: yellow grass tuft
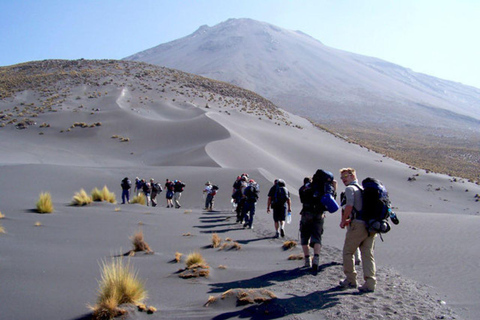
{"x": 117, "y": 209}
{"x": 2, "y": 230}
{"x": 194, "y": 258}
{"x": 216, "y": 240}
{"x": 119, "y": 285}
{"x": 38, "y": 224}
{"x": 188, "y": 234}
{"x": 210, "y": 300}
{"x": 139, "y": 243}
{"x": 295, "y": 257}
{"x": 44, "y": 203}
{"x": 81, "y": 198}
{"x": 96, "y": 194}
{"x": 2, "y": 215}
{"x": 140, "y": 199}
{"x": 142, "y": 307}
{"x": 103, "y": 195}
{"x": 151, "y": 310}
{"x": 290, "y": 244}
{"x": 108, "y": 196}
{"x": 178, "y": 256}
{"x": 222, "y": 267}
{"x": 187, "y": 211}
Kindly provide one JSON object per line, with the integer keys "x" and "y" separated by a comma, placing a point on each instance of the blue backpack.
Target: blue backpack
{"x": 376, "y": 206}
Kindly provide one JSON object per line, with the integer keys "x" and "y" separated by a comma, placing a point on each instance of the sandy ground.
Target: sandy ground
{"x": 427, "y": 265}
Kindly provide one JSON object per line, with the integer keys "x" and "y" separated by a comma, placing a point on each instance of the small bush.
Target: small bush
{"x": 140, "y": 199}
{"x": 290, "y": 244}
{"x": 216, "y": 240}
{"x": 96, "y": 195}
{"x": 194, "y": 258}
{"x": 2, "y": 230}
{"x": 2, "y": 215}
{"x": 108, "y": 196}
{"x": 139, "y": 243}
{"x": 178, "y": 256}
{"x": 119, "y": 285}
{"x": 44, "y": 203}
{"x": 81, "y": 198}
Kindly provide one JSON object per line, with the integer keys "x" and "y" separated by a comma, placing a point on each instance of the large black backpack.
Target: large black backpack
{"x": 322, "y": 183}
{"x": 376, "y": 206}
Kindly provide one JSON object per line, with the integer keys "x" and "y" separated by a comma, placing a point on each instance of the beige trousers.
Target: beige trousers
{"x": 357, "y": 237}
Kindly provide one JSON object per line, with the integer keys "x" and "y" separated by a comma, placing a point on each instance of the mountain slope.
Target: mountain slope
{"x": 302, "y": 75}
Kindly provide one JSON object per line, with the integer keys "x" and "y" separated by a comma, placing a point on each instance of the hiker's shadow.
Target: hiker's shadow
{"x": 279, "y": 308}
{"x": 209, "y": 226}
{"x": 246, "y": 241}
{"x": 223, "y": 230}
{"x": 262, "y": 281}
{"x": 268, "y": 279}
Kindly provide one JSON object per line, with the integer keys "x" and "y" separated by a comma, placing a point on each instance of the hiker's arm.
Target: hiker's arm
{"x": 346, "y": 216}
{"x": 269, "y": 202}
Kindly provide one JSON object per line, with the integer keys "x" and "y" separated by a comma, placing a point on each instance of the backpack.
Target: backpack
{"x": 280, "y": 196}
{"x": 157, "y": 187}
{"x": 126, "y": 184}
{"x": 322, "y": 184}
{"x": 376, "y": 206}
{"x": 251, "y": 193}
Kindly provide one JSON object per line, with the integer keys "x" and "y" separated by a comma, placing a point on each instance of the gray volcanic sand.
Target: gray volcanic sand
{"x": 51, "y": 271}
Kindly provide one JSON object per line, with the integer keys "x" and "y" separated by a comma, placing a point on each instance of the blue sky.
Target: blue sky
{"x": 436, "y": 37}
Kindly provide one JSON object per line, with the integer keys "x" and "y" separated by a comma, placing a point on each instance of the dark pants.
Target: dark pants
{"x": 125, "y": 195}
{"x": 248, "y": 213}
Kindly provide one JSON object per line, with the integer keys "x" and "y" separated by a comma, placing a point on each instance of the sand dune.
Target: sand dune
{"x": 432, "y": 255}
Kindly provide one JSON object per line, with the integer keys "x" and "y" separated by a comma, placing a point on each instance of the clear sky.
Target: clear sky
{"x": 436, "y": 37}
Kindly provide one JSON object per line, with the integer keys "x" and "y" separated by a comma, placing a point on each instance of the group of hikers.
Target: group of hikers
{"x": 317, "y": 196}
{"x": 150, "y": 190}
{"x": 364, "y": 211}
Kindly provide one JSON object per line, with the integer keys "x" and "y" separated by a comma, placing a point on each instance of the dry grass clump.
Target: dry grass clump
{"x": 231, "y": 246}
{"x": 216, "y": 240}
{"x": 119, "y": 285}
{"x": 295, "y": 257}
{"x": 210, "y": 300}
{"x": 178, "y": 256}
{"x": 290, "y": 244}
{"x": 140, "y": 199}
{"x": 38, "y": 224}
{"x": 249, "y": 296}
{"x": 2, "y": 215}
{"x": 2, "y": 229}
{"x": 44, "y": 203}
{"x": 139, "y": 243}
{"x": 81, "y": 198}
{"x": 103, "y": 195}
{"x": 194, "y": 258}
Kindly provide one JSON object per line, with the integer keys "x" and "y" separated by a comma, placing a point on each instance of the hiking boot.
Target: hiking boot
{"x": 282, "y": 233}
{"x": 347, "y": 284}
{"x": 276, "y": 235}
{"x": 365, "y": 289}
{"x": 308, "y": 262}
{"x": 315, "y": 263}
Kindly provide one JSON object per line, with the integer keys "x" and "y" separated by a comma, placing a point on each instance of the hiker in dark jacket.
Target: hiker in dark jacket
{"x": 156, "y": 189}
{"x": 147, "y": 191}
{"x": 126, "y": 185}
{"x": 280, "y": 205}
{"x": 178, "y": 189}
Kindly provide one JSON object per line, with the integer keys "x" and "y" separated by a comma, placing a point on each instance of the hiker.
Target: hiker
{"x": 357, "y": 236}
{"x": 169, "y": 187}
{"x": 177, "y": 192}
{"x": 279, "y": 201}
{"x": 210, "y": 191}
{"x": 138, "y": 186}
{"x": 311, "y": 225}
{"x": 238, "y": 188}
{"x": 251, "y": 196}
{"x": 357, "y": 255}
{"x": 147, "y": 191}
{"x": 156, "y": 189}
{"x": 126, "y": 185}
